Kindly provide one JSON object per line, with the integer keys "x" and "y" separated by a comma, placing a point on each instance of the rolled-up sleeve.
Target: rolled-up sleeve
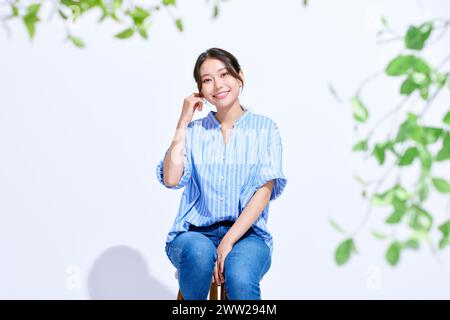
{"x": 270, "y": 166}
{"x": 187, "y": 172}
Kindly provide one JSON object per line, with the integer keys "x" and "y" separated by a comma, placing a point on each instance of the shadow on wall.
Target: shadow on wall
{"x": 120, "y": 272}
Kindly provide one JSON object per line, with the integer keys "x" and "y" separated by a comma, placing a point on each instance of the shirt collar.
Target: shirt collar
{"x": 212, "y": 117}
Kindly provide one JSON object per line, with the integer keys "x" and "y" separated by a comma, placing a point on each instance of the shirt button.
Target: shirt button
{"x": 221, "y": 178}
{"x": 221, "y": 198}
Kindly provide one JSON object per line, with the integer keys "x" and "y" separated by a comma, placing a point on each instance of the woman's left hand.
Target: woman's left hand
{"x": 222, "y": 251}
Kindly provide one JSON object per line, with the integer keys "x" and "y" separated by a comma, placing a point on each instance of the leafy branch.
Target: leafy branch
{"x": 406, "y": 146}
{"x": 134, "y": 19}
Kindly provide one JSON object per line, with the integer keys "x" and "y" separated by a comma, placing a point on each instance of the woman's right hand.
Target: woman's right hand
{"x": 190, "y": 104}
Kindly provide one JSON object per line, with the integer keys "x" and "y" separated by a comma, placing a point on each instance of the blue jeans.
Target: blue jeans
{"x": 194, "y": 254}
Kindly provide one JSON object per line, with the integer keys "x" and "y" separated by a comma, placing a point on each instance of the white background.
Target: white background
{"x": 82, "y": 215}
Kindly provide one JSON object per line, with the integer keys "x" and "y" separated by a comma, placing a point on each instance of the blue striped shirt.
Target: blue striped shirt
{"x": 221, "y": 178}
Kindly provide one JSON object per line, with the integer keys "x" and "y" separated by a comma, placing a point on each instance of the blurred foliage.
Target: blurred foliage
{"x": 133, "y": 16}
{"x": 410, "y": 147}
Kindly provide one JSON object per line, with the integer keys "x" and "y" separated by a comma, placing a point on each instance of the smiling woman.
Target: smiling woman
{"x": 220, "y": 231}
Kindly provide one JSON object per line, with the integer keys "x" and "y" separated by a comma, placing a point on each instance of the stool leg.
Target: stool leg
{"x": 213, "y": 291}
{"x": 223, "y": 293}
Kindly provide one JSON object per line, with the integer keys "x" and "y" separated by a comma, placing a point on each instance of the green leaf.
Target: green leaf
{"x": 411, "y": 244}
{"x": 417, "y": 36}
{"x": 431, "y": 134}
{"x": 30, "y": 19}
{"x": 15, "y": 11}
{"x": 344, "y": 251}
{"x": 408, "y": 86}
{"x": 117, "y": 4}
{"x": 78, "y": 7}
{"x": 444, "y": 242}
{"x": 408, "y": 157}
{"x": 216, "y": 11}
{"x": 446, "y": 118}
{"x": 336, "y": 226}
{"x": 420, "y": 219}
{"x": 400, "y": 193}
{"x": 359, "y": 110}
{"x": 378, "y": 235}
{"x": 169, "y": 2}
{"x": 179, "y": 24}
{"x": 393, "y": 253}
{"x": 420, "y": 66}
{"x": 406, "y": 128}
{"x": 425, "y": 135}
{"x": 441, "y": 79}
{"x": 30, "y": 24}
{"x": 138, "y": 15}
{"x": 400, "y": 65}
{"x": 441, "y": 185}
{"x": 426, "y": 160}
{"x": 396, "y": 216}
{"x": 360, "y": 146}
{"x": 445, "y": 230}
{"x": 424, "y": 93}
{"x": 379, "y": 152}
{"x": 444, "y": 153}
{"x": 78, "y": 42}
{"x": 127, "y": 33}
{"x": 383, "y": 199}
{"x": 33, "y": 9}
{"x": 423, "y": 191}
{"x": 142, "y": 29}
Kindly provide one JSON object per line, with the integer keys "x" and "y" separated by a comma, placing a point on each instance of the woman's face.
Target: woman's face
{"x": 216, "y": 79}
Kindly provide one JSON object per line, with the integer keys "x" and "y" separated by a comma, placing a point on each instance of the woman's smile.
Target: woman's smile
{"x": 221, "y": 95}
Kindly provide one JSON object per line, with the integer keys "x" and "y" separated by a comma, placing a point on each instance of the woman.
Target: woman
{"x": 231, "y": 164}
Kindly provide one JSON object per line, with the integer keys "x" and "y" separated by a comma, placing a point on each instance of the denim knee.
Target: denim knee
{"x": 193, "y": 250}
{"x": 201, "y": 254}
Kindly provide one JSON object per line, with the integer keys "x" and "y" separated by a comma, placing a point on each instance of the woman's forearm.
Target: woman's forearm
{"x": 250, "y": 213}
{"x": 174, "y": 160}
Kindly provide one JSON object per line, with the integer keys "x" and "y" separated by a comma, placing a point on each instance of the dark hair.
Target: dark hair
{"x": 230, "y": 61}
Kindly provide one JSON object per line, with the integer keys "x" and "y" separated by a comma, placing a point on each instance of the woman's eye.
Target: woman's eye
{"x": 223, "y": 74}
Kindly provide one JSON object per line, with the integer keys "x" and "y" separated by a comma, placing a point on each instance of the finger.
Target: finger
{"x": 221, "y": 271}
{"x": 198, "y": 105}
{"x": 212, "y": 280}
{"x": 216, "y": 274}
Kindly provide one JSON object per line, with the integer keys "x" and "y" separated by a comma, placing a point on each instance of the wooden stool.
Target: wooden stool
{"x": 213, "y": 291}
